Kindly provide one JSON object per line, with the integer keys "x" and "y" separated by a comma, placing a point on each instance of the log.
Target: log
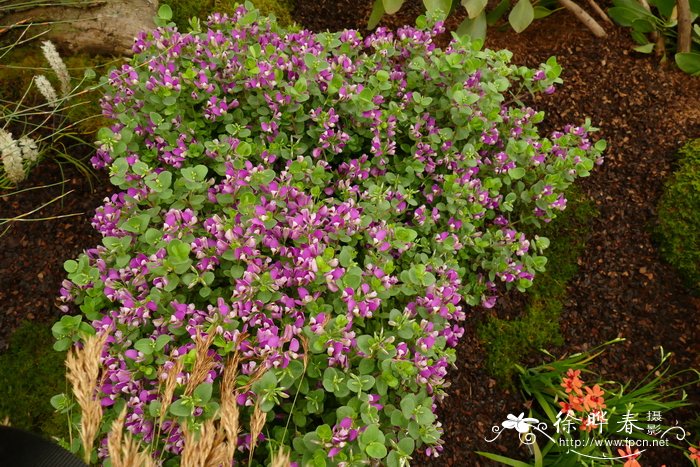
{"x": 96, "y": 27}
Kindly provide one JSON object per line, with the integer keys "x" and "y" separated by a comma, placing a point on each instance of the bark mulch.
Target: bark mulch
{"x": 623, "y": 288}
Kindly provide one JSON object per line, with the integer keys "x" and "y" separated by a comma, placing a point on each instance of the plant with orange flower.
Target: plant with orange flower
{"x": 629, "y": 456}
{"x": 588, "y": 419}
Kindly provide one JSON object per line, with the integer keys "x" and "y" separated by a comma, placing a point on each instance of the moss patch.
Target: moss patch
{"x": 678, "y": 228}
{"x": 183, "y": 10}
{"x": 31, "y": 372}
{"x": 509, "y": 342}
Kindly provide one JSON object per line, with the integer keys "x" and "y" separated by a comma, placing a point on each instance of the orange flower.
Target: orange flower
{"x": 630, "y": 456}
{"x": 694, "y": 454}
{"x": 566, "y": 407}
{"x": 594, "y": 398}
{"x": 587, "y": 425}
{"x": 576, "y": 403}
{"x": 572, "y": 383}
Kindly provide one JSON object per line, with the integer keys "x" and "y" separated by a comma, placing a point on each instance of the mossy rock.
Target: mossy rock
{"x": 678, "y": 227}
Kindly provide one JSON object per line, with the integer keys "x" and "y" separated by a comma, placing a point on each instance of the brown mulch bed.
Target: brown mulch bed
{"x": 623, "y": 288}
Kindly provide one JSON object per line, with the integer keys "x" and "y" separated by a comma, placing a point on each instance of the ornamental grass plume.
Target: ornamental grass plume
{"x": 46, "y": 89}
{"x": 257, "y": 422}
{"x": 84, "y": 376}
{"x": 57, "y": 65}
{"x": 11, "y": 154}
{"x": 123, "y": 450}
{"x": 170, "y": 386}
{"x": 202, "y": 447}
{"x": 229, "y": 408}
{"x": 203, "y": 364}
{"x": 281, "y": 459}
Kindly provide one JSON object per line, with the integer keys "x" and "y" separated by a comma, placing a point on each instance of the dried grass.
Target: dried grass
{"x": 257, "y": 422}
{"x": 124, "y": 451}
{"x": 229, "y": 408}
{"x": 202, "y": 365}
{"x": 202, "y": 446}
{"x": 281, "y": 459}
{"x": 84, "y": 376}
{"x": 169, "y": 390}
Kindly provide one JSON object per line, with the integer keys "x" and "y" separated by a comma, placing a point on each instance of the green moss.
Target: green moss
{"x": 678, "y": 228}
{"x": 183, "y": 10}
{"x": 509, "y": 342}
{"x": 31, "y": 373}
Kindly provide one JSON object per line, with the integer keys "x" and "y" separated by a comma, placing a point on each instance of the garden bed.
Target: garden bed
{"x": 622, "y": 287}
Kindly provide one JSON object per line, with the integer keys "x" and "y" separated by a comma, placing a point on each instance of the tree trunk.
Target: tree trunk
{"x": 98, "y": 27}
{"x": 684, "y": 26}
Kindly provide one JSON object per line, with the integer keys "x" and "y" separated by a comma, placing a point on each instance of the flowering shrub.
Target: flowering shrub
{"x": 319, "y": 211}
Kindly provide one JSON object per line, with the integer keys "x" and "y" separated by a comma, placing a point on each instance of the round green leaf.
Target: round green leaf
{"x": 376, "y": 450}
{"x": 70, "y": 266}
{"x": 689, "y": 62}
{"x": 521, "y": 15}
{"x": 165, "y": 12}
{"x": 474, "y": 7}
{"x": 392, "y": 6}
{"x": 474, "y": 28}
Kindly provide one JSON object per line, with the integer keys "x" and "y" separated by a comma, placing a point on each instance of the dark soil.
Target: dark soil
{"x": 623, "y": 288}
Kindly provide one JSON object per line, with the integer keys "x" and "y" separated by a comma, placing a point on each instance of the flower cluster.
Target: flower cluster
{"x": 326, "y": 208}
{"x": 584, "y": 403}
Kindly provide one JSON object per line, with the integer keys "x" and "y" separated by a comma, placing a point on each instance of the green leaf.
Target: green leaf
{"x": 625, "y": 16}
{"x": 645, "y": 49}
{"x": 408, "y": 404}
{"x": 474, "y": 7}
{"x": 353, "y": 278}
{"x": 203, "y": 392}
{"x": 376, "y": 450}
{"x": 474, "y": 28}
{"x": 689, "y": 62}
{"x": 165, "y": 12}
{"x": 405, "y": 235}
{"x": 407, "y": 445}
{"x": 180, "y": 409}
{"x": 516, "y": 173}
{"x": 542, "y": 12}
{"x": 145, "y": 346}
{"x": 391, "y": 6}
{"x": 521, "y": 15}
{"x": 376, "y": 15}
{"x": 178, "y": 249}
{"x": 666, "y": 7}
{"x": 372, "y": 434}
{"x": 643, "y": 25}
{"x": 504, "y": 460}
{"x": 354, "y": 385}
{"x": 497, "y": 13}
{"x": 324, "y": 432}
{"x": 347, "y": 254}
{"x": 434, "y": 5}
{"x": 70, "y": 266}
{"x": 60, "y": 402}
